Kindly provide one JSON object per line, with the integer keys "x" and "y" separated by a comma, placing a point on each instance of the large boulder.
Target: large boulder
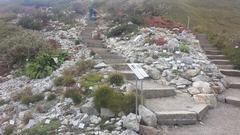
{"x": 154, "y": 74}
{"x": 106, "y": 113}
{"x": 89, "y": 107}
{"x": 203, "y": 87}
{"x": 146, "y": 130}
{"x": 208, "y": 99}
{"x": 148, "y": 117}
{"x": 131, "y": 122}
{"x": 128, "y": 132}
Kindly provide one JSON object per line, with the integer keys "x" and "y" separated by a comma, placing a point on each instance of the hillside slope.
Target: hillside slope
{"x": 213, "y": 15}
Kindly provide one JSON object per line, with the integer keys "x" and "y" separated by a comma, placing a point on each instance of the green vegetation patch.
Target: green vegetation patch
{"x": 122, "y": 29}
{"x": 106, "y": 97}
{"x": 91, "y": 79}
{"x": 116, "y": 78}
{"x": 27, "y": 97}
{"x": 65, "y": 80}
{"x": 74, "y": 94}
{"x": 43, "y": 129}
{"x": 184, "y": 48}
{"x": 44, "y": 64}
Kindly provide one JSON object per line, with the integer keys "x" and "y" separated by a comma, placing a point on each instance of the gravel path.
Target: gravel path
{"x": 223, "y": 120}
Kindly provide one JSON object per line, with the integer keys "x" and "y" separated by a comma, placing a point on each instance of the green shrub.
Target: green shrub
{"x": 184, "y": 48}
{"x": 116, "y": 78}
{"x": 27, "y": 116}
{"x": 51, "y": 97}
{"x": 107, "y": 98}
{"x": 122, "y": 29}
{"x": 138, "y": 20}
{"x": 77, "y": 41}
{"x": 129, "y": 103}
{"x": 84, "y": 66}
{"x": 8, "y": 130}
{"x": 43, "y": 129}
{"x": 91, "y": 79}
{"x": 27, "y": 97}
{"x": 30, "y": 22}
{"x": 74, "y": 94}
{"x": 65, "y": 80}
{"x": 44, "y": 64}
{"x": 19, "y": 48}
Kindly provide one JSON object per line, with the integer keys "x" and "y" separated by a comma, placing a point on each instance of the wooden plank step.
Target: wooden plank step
{"x": 213, "y": 52}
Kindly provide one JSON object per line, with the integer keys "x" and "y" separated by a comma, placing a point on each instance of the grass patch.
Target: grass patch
{"x": 27, "y": 97}
{"x": 83, "y": 66}
{"x": 122, "y": 29}
{"x": 116, "y": 78}
{"x": 74, "y": 94}
{"x": 91, "y": 79}
{"x": 51, "y": 97}
{"x": 184, "y": 48}
{"x": 106, "y": 97}
{"x": 43, "y": 129}
{"x": 8, "y": 130}
{"x": 65, "y": 80}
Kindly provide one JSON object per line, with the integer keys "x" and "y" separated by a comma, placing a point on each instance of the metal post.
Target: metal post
{"x": 141, "y": 92}
{"x": 188, "y": 23}
{"x": 136, "y": 96}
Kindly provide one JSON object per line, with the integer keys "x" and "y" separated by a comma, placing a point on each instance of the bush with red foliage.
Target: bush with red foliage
{"x": 163, "y": 22}
{"x": 160, "y": 41}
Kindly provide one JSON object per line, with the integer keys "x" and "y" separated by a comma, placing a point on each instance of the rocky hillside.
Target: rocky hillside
{"x": 81, "y": 83}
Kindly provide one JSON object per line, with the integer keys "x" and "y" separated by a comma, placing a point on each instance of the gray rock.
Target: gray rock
{"x": 203, "y": 87}
{"x": 180, "y": 81}
{"x": 208, "y": 99}
{"x": 148, "y": 117}
{"x": 131, "y": 122}
{"x": 89, "y": 107}
{"x": 146, "y": 130}
{"x": 94, "y": 119}
{"x": 107, "y": 113}
{"x": 193, "y": 91}
{"x": 149, "y": 60}
{"x": 31, "y": 123}
{"x": 100, "y": 65}
{"x": 155, "y": 74}
{"x": 128, "y": 132}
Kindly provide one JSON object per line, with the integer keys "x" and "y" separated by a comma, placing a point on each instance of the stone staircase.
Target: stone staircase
{"x": 232, "y": 94}
{"x": 169, "y": 106}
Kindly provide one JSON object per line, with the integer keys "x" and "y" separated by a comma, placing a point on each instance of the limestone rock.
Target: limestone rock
{"x": 128, "y": 132}
{"x": 148, "y": 117}
{"x": 193, "y": 91}
{"x": 155, "y": 74}
{"x": 203, "y": 87}
{"x": 209, "y": 99}
{"x": 146, "y": 130}
{"x": 89, "y": 108}
{"x": 131, "y": 122}
{"x": 107, "y": 113}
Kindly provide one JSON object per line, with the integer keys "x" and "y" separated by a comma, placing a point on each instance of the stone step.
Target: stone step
{"x": 158, "y": 92}
{"x": 180, "y": 110}
{"x": 120, "y": 66}
{"x": 221, "y": 62}
{"x": 232, "y": 96}
{"x": 114, "y": 61}
{"x": 209, "y": 47}
{"x": 216, "y": 56}
{"x": 225, "y": 66}
{"x": 213, "y": 52}
{"x": 230, "y": 72}
{"x": 234, "y": 82}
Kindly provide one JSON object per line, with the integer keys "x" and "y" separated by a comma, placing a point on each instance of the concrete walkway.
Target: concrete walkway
{"x": 222, "y": 120}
